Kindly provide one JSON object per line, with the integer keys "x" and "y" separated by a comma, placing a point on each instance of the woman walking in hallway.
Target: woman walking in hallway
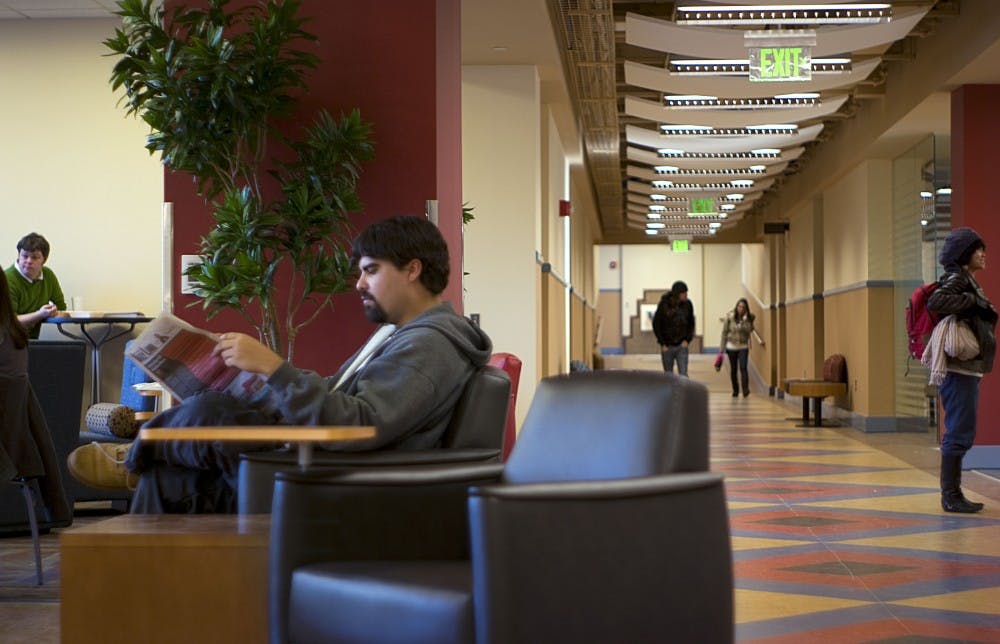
{"x": 962, "y": 255}
{"x": 736, "y": 332}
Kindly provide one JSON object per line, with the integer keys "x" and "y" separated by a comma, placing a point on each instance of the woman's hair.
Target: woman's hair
{"x": 746, "y": 307}
{"x": 8, "y": 319}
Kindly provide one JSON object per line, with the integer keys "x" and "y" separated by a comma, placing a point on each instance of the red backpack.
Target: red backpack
{"x": 920, "y": 320}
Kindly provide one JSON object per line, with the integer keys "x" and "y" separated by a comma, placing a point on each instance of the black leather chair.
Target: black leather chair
{"x": 56, "y": 370}
{"x": 474, "y": 435}
{"x": 603, "y": 526}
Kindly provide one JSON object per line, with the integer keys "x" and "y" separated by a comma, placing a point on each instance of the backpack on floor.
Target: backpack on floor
{"x": 920, "y": 320}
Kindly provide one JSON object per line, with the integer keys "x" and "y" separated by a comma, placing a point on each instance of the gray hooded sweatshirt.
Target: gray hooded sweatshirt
{"x": 407, "y": 389}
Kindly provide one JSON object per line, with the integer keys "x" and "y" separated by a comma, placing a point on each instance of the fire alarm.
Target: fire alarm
{"x": 564, "y": 208}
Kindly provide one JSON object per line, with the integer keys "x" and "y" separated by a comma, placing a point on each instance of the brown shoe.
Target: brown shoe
{"x": 102, "y": 465}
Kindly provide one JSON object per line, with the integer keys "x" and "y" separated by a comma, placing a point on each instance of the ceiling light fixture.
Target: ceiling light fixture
{"x": 710, "y": 67}
{"x": 762, "y": 153}
{"x": 680, "y": 102}
{"x": 650, "y": 231}
{"x": 750, "y": 130}
{"x": 655, "y": 225}
{"x": 945, "y": 190}
{"x": 802, "y": 14}
{"x": 925, "y": 195}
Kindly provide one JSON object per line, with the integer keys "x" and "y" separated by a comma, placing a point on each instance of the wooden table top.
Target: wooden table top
{"x": 298, "y": 433}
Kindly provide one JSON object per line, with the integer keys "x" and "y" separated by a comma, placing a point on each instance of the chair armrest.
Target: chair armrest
{"x": 255, "y": 488}
{"x": 417, "y": 512}
{"x": 656, "y": 548}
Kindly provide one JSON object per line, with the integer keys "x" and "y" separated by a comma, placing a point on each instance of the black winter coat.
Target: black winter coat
{"x": 961, "y": 295}
{"x": 673, "y": 321}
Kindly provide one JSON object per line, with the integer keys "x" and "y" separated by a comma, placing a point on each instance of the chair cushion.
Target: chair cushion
{"x": 382, "y": 601}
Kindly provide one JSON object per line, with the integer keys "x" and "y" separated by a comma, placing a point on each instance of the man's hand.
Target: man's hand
{"x": 684, "y": 343}
{"x": 47, "y": 311}
{"x": 243, "y": 352}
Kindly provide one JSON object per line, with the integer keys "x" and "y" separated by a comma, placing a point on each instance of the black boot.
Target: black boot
{"x": 952, "y": 499}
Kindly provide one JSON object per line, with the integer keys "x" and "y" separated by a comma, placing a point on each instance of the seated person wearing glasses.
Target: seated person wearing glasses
{"x": 34, "y": 289}
{"x": 405, "y": 381}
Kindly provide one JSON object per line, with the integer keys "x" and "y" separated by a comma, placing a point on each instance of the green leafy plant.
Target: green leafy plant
{"x": 213, "y": 84}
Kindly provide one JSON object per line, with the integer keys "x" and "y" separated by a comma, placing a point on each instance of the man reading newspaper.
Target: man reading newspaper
{"x": 405, "y": 381}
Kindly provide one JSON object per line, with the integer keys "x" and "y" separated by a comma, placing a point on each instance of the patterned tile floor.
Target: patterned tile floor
{"x": 838, "y": 536}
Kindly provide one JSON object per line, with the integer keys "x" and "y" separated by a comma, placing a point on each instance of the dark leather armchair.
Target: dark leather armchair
{"x": 474, "y": 435}
{"x": 55, "y": 368}
{"x": 589, "y": 533}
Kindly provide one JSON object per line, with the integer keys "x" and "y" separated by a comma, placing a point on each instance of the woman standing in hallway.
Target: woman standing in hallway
{"x": 962, "y": 255}
{"x": 736, "y": 332}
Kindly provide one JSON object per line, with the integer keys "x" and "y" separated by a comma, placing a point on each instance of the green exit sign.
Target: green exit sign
{"x": 780, "y": 63}
{"x": 680, "y": 245}
{"x": 703, "y": 206}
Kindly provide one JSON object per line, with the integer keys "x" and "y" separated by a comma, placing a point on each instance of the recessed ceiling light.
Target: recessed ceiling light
{"x": 946, "y": 190}
{"x": 925, "y": 194}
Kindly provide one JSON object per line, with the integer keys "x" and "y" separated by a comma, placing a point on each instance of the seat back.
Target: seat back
{"x": 512, "y": 365}
{"x": 133, "y": 375}
{"x": 480, "y": 414}
{"x": 835, "y": 368}
{"x": 609, "y": 425}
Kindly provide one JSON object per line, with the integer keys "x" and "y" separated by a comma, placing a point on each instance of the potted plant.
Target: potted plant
{"x": 213, "y": 84}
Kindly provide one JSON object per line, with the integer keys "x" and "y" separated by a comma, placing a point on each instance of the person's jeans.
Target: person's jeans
{"x": 960, "y": 399}
{"x": 677, "y": 353}
{"x": 739, "y": 356}
{"x": 193, "y": 476}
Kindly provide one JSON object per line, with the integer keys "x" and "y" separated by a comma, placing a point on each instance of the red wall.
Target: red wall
{"x": 399, "y": 62}
{"x": 975, "y": 138}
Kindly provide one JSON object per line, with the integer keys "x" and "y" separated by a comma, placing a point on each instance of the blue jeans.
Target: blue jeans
{"x": 960, "y": 399}
{"x": 193, "y": 476}
{"x": 677, "y": 353}
{"x": 739, "y": 358}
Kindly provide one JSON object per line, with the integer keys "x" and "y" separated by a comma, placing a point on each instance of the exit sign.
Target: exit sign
{"x": 680, "y": 245}
{"x": 703, "y": 206}
{"x": 780, "y": 63}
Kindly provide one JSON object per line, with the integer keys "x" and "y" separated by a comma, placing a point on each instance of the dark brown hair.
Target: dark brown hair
{"x": 8, "y": 318}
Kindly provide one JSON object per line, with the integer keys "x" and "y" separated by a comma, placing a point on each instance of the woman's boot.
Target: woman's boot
{"x": 952, "y": 499}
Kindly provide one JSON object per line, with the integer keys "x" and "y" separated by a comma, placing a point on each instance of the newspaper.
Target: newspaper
{"x": 181, "y": 357}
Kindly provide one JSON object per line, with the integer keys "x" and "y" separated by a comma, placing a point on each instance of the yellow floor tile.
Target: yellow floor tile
{"x": 908, "y": 477}
{"x": 756, "y": 543}
{"x": 758, "y": 605}
{"x": 968, "y": 541}
{"x": 983, "y": 600}
{"x": 866, "y": 458}
{"x": 913, "y": 503}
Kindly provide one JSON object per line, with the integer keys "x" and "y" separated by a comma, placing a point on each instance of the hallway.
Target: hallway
{"x": 837, "y": 536}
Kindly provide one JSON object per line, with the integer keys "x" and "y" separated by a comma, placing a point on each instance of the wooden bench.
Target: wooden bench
{"x": 834, "y": 383}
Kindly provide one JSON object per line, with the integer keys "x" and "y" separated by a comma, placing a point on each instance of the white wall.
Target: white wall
{"x": 74, "y": 168}
{"x": 501, "y": 177}
{"x": 713, "y": 273}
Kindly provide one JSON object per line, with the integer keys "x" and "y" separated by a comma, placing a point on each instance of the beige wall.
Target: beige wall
{"x": 500, "y": 244}
{"x": 845, "y": 230}
{"x": 74, "y": 168}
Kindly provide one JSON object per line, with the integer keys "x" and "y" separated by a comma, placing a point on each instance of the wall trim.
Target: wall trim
{"x": 986, "y": 457}
{"x": 857, "y": 286}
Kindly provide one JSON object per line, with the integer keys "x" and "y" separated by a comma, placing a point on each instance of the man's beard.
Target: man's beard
{"x": 373, "y": 311}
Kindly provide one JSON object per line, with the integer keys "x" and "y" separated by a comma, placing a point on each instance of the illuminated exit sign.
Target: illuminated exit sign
{"x": 703, "y": 206}
{"x": 680, "y": 245}
{"x": 780, "y": 63}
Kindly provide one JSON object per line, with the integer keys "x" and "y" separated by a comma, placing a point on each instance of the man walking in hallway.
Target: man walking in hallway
{"x": 673, "y": 325}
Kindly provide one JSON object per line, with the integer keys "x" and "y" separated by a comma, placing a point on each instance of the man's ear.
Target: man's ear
{"x": 413, "y": 270}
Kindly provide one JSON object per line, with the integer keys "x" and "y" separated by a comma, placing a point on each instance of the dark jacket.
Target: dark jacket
{"x": 673, "y": 321}
{"x": 961, "y": 295}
